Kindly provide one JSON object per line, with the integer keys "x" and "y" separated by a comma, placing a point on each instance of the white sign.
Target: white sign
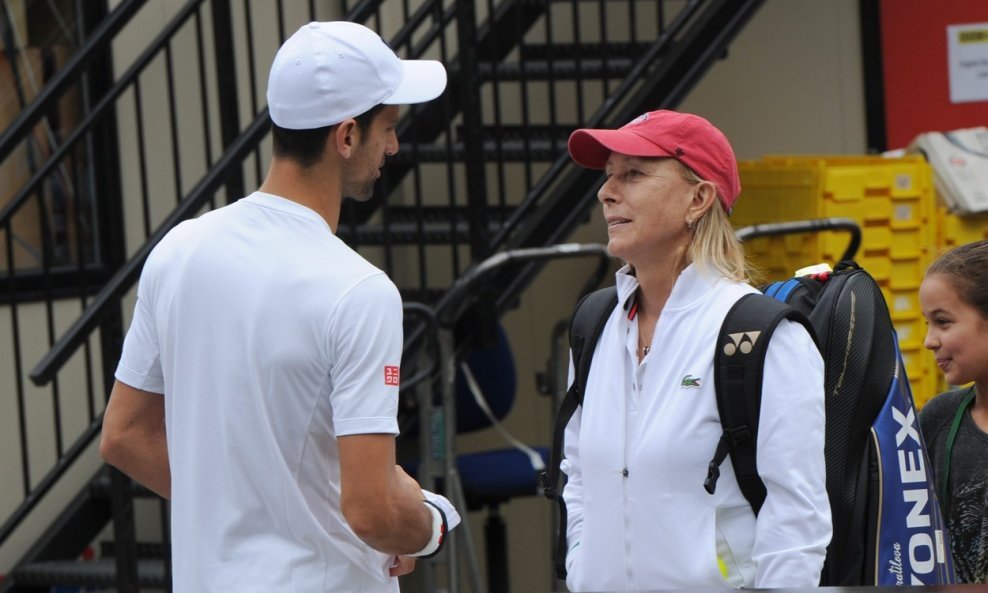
{"x": 967, "y": 53}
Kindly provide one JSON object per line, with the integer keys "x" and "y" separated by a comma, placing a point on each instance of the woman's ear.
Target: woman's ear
{"x": 704, "y": 196}
{"x": 343, "y": 138}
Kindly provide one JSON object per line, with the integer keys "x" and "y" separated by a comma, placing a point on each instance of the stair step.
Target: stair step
{"x": 100, "y": 487}
{"x": 148, "y": 550}
{"x": 584, "y": 51}
{"x": 520, "y": 133}
{"x": 508, "y": 150}
{"x": 90, "y": 573}
{"x": 408, "y": 232}
{"x": 568, "y": 61}
{"x": 561, "y": 69}
{"x": 432, "y": 225}
{"x": 442, "y": 213}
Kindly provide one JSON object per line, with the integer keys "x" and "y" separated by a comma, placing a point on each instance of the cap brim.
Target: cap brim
{"x": 591, "y": 148}
{"x": 423, "y": 80}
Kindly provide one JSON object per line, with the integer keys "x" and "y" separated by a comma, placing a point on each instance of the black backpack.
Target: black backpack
{"x": 887, "y": 524}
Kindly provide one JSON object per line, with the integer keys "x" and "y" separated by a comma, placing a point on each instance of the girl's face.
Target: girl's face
{"x": 957, "y": 332}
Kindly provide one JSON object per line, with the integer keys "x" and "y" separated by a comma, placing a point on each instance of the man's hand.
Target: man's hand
{"x": 407, "y": 483}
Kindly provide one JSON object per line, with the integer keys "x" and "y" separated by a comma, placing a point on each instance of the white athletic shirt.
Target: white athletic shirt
{"x": 268, "y": 337}
{"x": 637, "y": 453}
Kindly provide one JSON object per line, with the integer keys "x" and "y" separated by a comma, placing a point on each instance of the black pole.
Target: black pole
{"x": 226, "y": 78}
{"x": 109, "y": 210}
{"x": 874, "y": 81}
{"x": 473, "y": 147}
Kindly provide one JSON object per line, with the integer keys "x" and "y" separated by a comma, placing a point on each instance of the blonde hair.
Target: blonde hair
{"x": 714, "y": 246}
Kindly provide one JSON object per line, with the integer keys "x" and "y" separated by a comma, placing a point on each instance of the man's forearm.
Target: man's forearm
{"x": 405, "y": 529}
{"x": 134, "y": 438}
{"x": 146, "y": 463}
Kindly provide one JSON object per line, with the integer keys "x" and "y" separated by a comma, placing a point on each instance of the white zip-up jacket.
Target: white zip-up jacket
{"x": 637, "y": 451}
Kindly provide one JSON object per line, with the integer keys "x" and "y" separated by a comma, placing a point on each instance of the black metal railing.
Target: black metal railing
{"x": 182, "y": 130}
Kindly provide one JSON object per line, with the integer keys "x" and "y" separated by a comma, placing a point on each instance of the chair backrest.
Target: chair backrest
{"x": 494, "y": 369}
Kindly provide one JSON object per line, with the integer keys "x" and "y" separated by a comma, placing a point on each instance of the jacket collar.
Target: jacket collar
{"x": 691, "y": 288}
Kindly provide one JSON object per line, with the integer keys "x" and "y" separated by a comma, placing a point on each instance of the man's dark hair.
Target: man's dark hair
{"x": 306, "y": 147}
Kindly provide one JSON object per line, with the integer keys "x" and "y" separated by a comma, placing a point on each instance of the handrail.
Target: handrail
{"x": 39, "y": 491}
{"x": 814, "y": 225}
{"x": 45, "y": 370}
{"x": 9, "y": 209}
{"x": 427, "y": 316}
{"x": 451, "y": 305}
{"x": 52, "y": 92}
{"x": 125, "y": 277}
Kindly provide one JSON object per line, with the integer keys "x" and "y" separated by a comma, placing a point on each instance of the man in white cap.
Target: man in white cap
{"x": 258, "y": 384}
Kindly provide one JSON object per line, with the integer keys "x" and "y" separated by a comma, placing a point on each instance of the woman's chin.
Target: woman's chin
{"x": 616, "y": 248}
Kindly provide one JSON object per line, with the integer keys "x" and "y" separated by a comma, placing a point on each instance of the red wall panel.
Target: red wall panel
{"x": 914, "y": 59}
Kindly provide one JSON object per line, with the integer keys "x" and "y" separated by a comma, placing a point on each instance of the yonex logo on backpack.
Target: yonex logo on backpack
{"x": 741, "y": 341}
{"x": 907, "y": 426}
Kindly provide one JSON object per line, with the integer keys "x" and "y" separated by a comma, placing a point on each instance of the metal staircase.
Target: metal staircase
{"x": 181, "y": 130}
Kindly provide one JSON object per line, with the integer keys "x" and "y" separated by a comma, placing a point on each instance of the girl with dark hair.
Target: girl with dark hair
{"x": 954, "y": 299}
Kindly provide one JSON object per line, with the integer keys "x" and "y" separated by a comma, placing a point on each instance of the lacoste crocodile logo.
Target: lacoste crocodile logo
{"x": 691, "y": 381}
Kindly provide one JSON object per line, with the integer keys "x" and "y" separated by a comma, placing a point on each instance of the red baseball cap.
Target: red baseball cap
{"x": 688, "y": 138}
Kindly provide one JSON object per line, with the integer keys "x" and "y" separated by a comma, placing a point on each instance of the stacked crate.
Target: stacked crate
{"x": 894, "y": 203}
{"x": 954, "y": 230}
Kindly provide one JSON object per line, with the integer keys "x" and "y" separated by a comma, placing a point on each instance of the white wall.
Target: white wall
{"x": 792, "y": 82}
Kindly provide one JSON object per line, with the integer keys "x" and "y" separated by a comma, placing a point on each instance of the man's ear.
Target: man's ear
{"x": 344, "y": 137}
{"x": 704, "y": 196}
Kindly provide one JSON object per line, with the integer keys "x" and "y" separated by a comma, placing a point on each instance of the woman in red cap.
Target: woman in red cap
{"x": 637, "y": 451}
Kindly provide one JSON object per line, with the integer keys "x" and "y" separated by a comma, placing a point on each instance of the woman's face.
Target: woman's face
{"x": 645, "y": 203}
{"x": 957, "y": 333}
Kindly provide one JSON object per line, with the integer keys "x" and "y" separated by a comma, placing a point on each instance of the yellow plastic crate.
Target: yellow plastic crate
{"x": 894, "y": 203}
{"x": 954, "y": 230}
{"x": 892, "y": 200}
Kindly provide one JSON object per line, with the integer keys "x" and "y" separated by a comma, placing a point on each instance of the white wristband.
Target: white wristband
{"x": 438, "y": 532}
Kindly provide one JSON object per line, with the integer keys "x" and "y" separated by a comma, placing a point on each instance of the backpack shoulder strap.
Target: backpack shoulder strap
{"x": 738, "y": 363}
{"x": 585, "y": 328}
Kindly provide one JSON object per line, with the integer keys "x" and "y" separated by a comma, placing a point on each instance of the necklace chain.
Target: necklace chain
{"x": 645, "y": 346}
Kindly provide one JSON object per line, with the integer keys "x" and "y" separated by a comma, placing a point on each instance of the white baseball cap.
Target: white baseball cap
{"x": 327, "y": 72}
